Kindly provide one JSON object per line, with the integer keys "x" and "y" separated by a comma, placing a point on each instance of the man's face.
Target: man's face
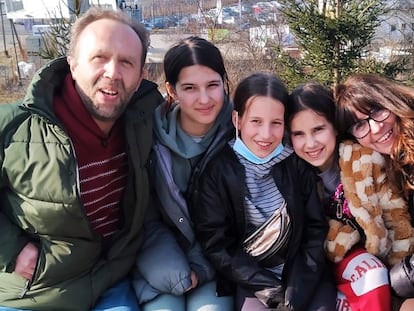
{"x": 107, "y": 69}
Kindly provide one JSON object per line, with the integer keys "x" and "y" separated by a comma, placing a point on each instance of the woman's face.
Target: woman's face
{"x": 200, "y": 94}
{"x": 382, "y": 134}
{"x": 313, "y": 138}
{"x": 261, "y": 126}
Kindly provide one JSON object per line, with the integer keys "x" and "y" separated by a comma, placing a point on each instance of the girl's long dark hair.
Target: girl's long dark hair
{"x": 193, "y": 51}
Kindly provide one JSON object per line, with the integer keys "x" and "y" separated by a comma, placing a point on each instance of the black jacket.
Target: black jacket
{"x": 219, "y": 218}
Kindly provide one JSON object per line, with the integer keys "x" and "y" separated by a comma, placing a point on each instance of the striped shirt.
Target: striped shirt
{"x": 102, "y": 184}
{"x": 101, "y": 160}
{"x": 262, "y": 195}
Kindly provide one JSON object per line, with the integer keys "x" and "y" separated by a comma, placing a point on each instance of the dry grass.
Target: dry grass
{"x": 13, "y": 96}
{"x": 10, "y": 88}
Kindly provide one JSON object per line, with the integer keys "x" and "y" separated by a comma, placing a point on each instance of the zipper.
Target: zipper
{"x": 25, "y": 289}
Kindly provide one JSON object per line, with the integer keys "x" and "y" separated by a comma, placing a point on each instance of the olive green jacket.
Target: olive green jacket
{"x": 40, "y": 201}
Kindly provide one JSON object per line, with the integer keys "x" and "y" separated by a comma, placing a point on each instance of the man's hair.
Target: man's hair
{"x": 94, "y": 14}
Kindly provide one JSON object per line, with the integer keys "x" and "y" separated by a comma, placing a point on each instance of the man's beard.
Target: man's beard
{"x": 95, "y": 111}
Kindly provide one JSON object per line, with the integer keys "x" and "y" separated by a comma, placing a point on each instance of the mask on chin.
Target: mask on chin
{"x": 240, "y": 147}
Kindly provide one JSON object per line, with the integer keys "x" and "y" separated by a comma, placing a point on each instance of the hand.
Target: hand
{"x": 271, "y": 297}
{"x": 194, "y": 281}
{"x": 26, "y": 261}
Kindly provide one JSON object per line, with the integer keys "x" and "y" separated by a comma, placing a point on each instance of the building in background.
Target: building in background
{"x": 21, "y": 10}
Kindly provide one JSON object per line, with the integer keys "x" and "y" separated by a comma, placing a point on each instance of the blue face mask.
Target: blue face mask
{"x": 245, "y": 152}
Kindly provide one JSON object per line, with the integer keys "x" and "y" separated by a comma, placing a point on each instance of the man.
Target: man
{"x": 73, "y": 180}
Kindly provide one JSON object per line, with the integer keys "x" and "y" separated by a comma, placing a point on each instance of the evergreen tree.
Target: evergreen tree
{"x": 334, "y": 35}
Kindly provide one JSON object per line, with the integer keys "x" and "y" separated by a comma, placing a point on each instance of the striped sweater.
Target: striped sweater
{"x": 102, "y": 161}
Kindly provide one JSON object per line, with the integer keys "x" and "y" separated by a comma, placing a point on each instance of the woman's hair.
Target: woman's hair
{"x": 365, "y": 92}
{"x": 259, "y": 84}
{"x": 94, "y": 14}
{"x": 193, "y": 51}
{"x": 311, "y": 96}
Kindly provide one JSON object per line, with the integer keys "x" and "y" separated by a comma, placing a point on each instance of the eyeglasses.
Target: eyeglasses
{"x": 361, "y": 128}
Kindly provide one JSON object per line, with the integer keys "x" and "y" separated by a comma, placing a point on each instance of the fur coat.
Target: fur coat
{"x": 380, "y": 212}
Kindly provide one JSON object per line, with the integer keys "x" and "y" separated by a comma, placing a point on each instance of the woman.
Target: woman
{"x": 190, "y": 127}
{"x": 379, "y": 114}
{"x": 311, "y": 119}
{"x": 256, "y": 187}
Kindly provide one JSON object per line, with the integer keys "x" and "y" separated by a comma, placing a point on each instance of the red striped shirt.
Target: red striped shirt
{"x": 102, "y": 161}
{"x": 102, "y": 184}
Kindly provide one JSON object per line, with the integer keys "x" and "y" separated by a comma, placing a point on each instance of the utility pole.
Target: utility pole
{"x": 219, "y": 12}
{"x": 200, "y": 9}
{"x": 2, "y": 28}
{"x": 152, "y": 12}
{"x": 15, "y": 52}
{"x": 240, "y": 11}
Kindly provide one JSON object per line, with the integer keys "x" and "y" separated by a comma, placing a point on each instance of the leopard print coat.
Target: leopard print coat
{"x": 382, "y": 214}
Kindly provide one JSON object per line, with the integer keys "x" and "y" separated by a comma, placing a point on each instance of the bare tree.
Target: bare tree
{"x": 56, "y": 39}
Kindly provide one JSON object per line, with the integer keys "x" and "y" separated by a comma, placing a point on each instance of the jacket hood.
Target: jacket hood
{"x": 169, "y": 133}
{"x": 45, "y": 82}
{"x": 146, "y": 87}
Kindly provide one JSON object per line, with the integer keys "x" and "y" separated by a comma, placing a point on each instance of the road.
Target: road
{"x": 161, "y": 42}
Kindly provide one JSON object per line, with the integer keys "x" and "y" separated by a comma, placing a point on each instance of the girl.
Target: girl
{"x": 257, "y": 191}
{"x": 313, "y": 134}
{"x": 190, "y": 127}
{"x": 379, "y": 114}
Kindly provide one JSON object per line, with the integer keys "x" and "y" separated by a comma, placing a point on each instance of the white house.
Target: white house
{"x": 45, "y": 9}
{"x": 398, "y": 24}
